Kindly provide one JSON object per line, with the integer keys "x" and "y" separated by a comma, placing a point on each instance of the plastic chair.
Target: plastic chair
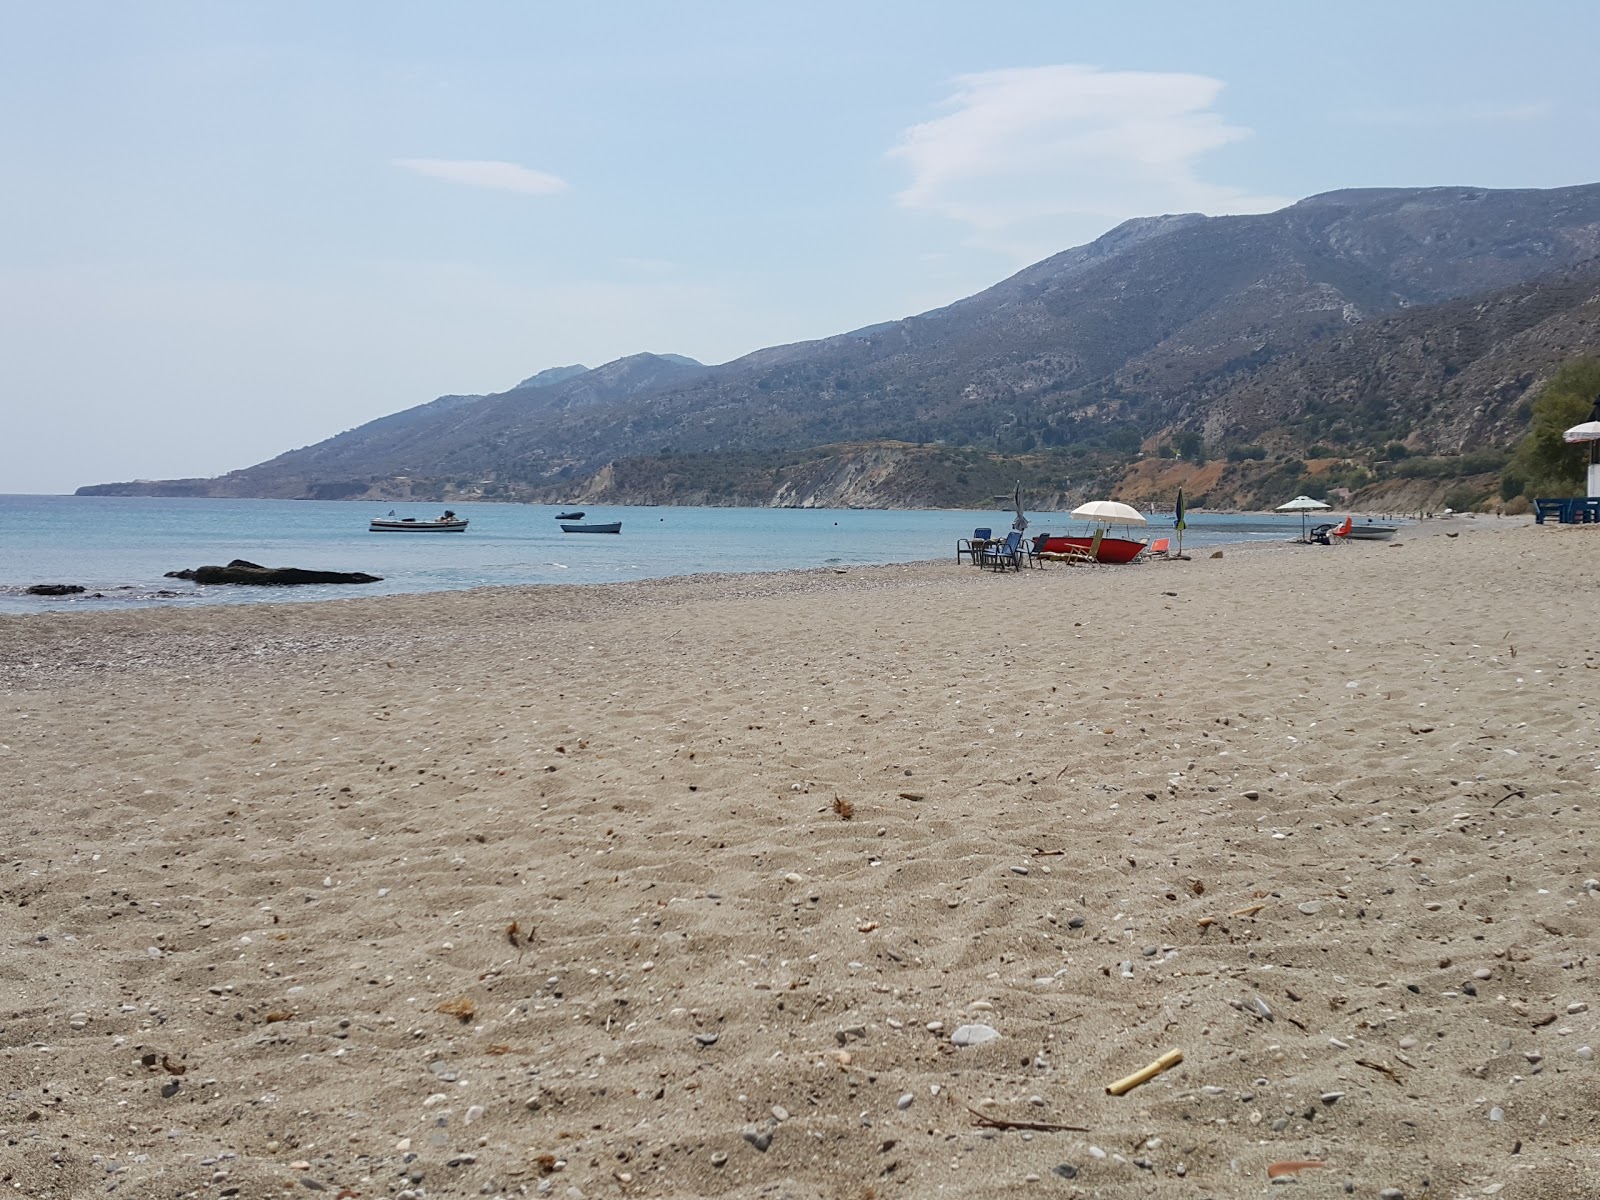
{"x": 1005, "y": 556}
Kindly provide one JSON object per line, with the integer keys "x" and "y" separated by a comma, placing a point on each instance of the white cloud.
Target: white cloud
{"x": 506, "y": 176}
{"x": 1035, "y": 159}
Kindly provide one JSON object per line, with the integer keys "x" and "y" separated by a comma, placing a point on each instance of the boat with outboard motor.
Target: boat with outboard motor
{"x": 449, "y": 523}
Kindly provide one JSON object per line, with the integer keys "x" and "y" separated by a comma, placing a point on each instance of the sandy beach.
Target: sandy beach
{"x": 686, "y": 887}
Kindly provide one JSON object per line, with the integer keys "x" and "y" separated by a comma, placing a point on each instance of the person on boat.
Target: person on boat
{"x": 448, "y": 515}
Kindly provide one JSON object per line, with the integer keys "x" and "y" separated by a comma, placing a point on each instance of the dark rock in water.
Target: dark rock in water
{"x": 55, "y": 589}
{"x": 240, "y": 571}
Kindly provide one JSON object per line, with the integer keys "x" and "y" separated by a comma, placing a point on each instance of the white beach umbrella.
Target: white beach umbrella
{"x": 1302, "y": 505}
{"x": 1104, "y": 511}
{"x": 1589, "y": 431}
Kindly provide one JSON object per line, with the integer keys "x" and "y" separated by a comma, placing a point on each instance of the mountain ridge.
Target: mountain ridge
{"x": 1155, "y": 328}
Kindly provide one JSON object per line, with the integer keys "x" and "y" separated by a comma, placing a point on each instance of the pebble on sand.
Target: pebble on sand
{"x": 973, "y": 1035}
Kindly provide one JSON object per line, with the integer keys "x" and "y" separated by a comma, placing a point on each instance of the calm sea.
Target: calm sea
{"x": 121, "y": 547}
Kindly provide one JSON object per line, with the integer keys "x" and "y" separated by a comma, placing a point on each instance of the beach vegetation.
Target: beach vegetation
{"x": 1464, "y": 498}
{"x": 1548, "y": 465}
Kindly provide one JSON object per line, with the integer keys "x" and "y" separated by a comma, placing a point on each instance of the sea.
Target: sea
{"x": 120, "y": 548}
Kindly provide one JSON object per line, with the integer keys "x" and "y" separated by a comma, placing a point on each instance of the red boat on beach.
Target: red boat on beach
{"x": 1112, "y": 549}
{"x": 1104, "y": 547}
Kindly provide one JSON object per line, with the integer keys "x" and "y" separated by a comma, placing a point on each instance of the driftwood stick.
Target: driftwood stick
{"x": 1165, "y": 1063}
{"x": 988, "y": 1122}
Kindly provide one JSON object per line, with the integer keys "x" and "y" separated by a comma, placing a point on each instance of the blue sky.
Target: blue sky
{"x": 229, "y": 229}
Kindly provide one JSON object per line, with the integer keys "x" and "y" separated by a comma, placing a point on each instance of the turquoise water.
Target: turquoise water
{"x": 121, "y": 547}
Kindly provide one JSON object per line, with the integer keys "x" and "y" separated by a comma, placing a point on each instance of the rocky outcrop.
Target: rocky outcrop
{"x": 55, "y": 589}
{"x": 240, "y": 571}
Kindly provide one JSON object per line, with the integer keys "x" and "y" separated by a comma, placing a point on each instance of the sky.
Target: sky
{"x": 229, "y": 229}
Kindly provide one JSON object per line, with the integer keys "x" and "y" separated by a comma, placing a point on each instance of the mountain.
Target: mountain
{"x": 1232, "y": 330}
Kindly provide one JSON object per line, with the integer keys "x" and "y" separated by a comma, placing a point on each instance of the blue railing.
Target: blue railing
{"x": 1578, "y": 510}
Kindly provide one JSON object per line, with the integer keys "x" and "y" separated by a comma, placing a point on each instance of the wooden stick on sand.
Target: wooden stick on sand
{"x": 1165, "y": 1063}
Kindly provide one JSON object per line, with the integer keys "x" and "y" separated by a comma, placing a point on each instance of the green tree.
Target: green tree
{"x": 1191, "y": 446}
{"x": 1549, "y": 465}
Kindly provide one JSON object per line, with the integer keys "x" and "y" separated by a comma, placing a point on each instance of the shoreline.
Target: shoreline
{"x": 233, "y": 597}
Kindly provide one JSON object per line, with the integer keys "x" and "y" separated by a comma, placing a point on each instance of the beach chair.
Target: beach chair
{"x": 974, "y": 546}
{"x": 1078, "y": 556}
{"x": 1003, "y": 556}
{"x": 1161, "y": 548}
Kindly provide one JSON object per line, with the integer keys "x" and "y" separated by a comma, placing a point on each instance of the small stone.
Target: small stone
{"x": 1311, "y": 907}
{"x": 1030, "y": 1178}
{"x": 1338, "y": 1045}
{"x": 1408, "y": 1043}
{"x": 1482, "y": 973}
{"x": 1391, "y": 1194}
{"x": 718, "y": 1158}
{"x": 904, "y": 1102}
{"x": 1252, "y": 794}
{"x": 1576, "y": 1008}
{"x": 1068, "y": 1171}
{"x": 1584, "y": 1052}
{"x": 1534, "y": 1056}
{"x": 1094, "y": 1152}
{"x": 1332, "y": 1098}
{"x": 301, "y": 1165}
{"x": 170, "y": 1090}
{"x": 780, "y": 1113}
{"x": 1019, "y": 870}
{"x": 474, "y": 1113}
{"x": 1497, "y": 1114}
{"x": 707, "y": 1039}
{"x": 403, "y": 1145}
{"x": 973, "y": 1035}
{"x": 794, "y": 877}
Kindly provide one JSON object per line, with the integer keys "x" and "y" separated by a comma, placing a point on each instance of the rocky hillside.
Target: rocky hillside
{"x": 1419, "y": 316}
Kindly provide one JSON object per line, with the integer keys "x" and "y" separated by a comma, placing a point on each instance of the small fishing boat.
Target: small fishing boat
{"x": 1110, "y": 549}
{"x": 609, "y": 527}
{"x": 1371, "y": 532}
{"x": 571, "y": 516}
{"x": 449, "y": 523}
